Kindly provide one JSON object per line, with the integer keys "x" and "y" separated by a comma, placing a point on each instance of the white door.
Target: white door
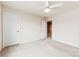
{"x": 11, "y": 29}
{"x": 44, "y": 29}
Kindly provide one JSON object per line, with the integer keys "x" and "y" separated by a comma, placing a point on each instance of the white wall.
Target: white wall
{"x": 29, "y": 27}
{"x": 66, "y": 28}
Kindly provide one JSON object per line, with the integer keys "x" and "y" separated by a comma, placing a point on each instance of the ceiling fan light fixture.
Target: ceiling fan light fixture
{"x": 47, "y": 10}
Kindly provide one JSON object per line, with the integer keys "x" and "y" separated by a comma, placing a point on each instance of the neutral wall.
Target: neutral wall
{"x": 28, "y": 25}
{"x": 66, "y": 28}
{"x": 0, "y": 27}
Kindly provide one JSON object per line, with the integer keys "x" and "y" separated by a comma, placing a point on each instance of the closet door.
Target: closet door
{"x": 11, "y": 28}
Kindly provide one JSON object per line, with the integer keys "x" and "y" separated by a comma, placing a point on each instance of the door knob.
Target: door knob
{"x": 17, "y": 30}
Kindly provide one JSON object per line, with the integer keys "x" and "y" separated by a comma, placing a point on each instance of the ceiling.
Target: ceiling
{"x": 37, "y": 7}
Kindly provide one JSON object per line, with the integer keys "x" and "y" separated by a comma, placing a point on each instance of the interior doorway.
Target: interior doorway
{"x": 49, "y": 29}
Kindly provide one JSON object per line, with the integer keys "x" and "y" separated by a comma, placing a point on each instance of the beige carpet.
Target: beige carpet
{"x": 40, "y": 48}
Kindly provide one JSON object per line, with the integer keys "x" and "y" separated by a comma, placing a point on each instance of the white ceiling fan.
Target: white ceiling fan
{"x": 49, "y": 6}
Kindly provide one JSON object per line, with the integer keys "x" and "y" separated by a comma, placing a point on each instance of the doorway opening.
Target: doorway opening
{"x": 49, "y": 29}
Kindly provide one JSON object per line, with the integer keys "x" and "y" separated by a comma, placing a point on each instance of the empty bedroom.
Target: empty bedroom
{"x": 39, "y": 28}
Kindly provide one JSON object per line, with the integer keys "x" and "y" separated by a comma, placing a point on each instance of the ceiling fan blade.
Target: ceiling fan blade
{"x": 56, "y": 5}
{"x": 46, "y": 4}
